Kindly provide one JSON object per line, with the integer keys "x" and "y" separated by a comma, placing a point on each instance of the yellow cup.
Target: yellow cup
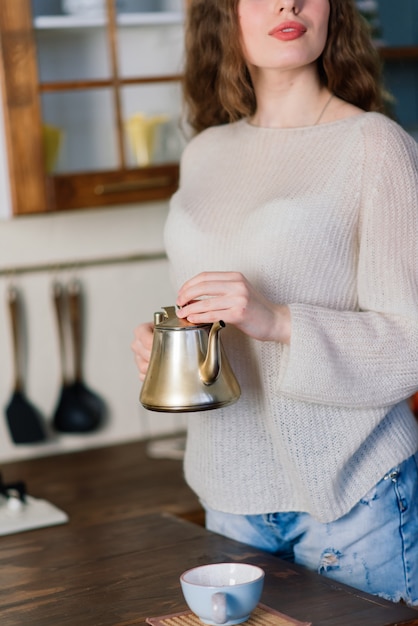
{"x": 52, "y": 139}
{"x": 142, "y": 132}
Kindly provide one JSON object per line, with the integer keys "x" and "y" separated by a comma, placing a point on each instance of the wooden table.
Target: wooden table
{"x": 119, "y": 558}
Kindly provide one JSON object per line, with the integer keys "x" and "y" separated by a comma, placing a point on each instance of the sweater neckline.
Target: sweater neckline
{"x": 314, "y": 127}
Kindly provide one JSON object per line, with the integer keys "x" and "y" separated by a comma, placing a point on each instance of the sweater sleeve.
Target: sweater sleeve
{"x": 368, "y": 357}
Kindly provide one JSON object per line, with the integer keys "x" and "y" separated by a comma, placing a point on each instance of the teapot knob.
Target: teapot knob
{"x": 158, "y": 318}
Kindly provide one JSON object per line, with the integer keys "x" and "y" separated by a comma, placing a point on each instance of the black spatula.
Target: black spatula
{"x": 24, "y": 420}
{"x": 79, "y": 409}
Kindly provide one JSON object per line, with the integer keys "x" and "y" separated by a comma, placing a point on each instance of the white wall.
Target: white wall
{"x": 116, "y": 299}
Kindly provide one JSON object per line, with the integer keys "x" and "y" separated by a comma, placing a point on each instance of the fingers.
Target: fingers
{"x": 141, "y": 347}
{"x": 211, "y": 296}
{"x": 228, "y": 296}
{"x": 143, "y": 336}
{"x": 206, "y": 284}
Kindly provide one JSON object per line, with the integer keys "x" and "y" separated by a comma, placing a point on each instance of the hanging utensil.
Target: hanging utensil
{"x": 79, "y": 409}
{"x": 69, "y": 415}
{"x": 91, "y": 399}
{"x": 24, "y": 420}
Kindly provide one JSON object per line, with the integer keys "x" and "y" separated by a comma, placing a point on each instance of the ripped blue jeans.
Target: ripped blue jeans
{"x": 373, "y": 548}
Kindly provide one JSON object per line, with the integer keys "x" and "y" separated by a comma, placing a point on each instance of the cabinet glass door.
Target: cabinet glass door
{"x": 150, "y": 97}
{"x": 109, "y": 98}
{"x": 105, "y": 98}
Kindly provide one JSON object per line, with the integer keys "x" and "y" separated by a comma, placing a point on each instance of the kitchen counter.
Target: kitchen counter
{"x": 113, "y": 483}
{"x": 119, "y": 558}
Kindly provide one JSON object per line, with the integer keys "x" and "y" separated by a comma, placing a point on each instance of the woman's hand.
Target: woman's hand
{"x": 141, "y": 347}
{"x": 228, "y": 296}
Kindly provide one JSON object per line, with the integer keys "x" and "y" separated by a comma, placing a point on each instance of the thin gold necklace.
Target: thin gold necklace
{"x": 251, "y": 121}
{"x": 324, "y": 109}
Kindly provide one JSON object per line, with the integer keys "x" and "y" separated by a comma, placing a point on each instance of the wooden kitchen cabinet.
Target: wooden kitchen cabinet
{"x": 49, "y": 82}
{"x": 401, "y": 80}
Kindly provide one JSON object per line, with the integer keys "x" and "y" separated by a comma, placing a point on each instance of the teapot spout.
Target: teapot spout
{"x": 211, "y": 366}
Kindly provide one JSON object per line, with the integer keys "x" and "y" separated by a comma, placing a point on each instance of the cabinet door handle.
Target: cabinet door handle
{"x": 137, "y": 185}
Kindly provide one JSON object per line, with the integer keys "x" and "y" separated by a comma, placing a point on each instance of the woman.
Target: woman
{"x": 296, "y": 222}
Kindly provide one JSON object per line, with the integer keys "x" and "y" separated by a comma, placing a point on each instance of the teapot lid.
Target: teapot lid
{"x": 169, "y": 320}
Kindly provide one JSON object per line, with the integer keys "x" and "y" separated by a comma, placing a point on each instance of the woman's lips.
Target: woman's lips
{"x": 288, "y": 31}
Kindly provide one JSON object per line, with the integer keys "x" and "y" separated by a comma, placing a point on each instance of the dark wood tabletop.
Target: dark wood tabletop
{"x": 118, "y": 559}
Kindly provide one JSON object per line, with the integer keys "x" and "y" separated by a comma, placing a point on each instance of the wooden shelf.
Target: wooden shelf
{"x": 401, "y": 53}
{"x": 123, "y": 186}
{"x": 107, "y": 83}
{"x": 68, "y": 22}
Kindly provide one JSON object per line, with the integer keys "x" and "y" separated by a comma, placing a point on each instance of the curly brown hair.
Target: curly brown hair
{"x": 217, "y": 86}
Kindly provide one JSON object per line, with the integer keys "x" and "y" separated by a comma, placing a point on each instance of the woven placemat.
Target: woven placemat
{"x": 261, "y": 616}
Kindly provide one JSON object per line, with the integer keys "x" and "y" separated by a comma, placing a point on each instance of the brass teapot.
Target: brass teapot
{"x": 188, "y": 368}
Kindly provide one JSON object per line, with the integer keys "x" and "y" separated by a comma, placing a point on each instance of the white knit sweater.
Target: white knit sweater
{"x": 325, "y": 220}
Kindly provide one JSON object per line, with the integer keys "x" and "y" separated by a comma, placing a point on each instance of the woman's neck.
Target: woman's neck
{"x": 289, "y": 101}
